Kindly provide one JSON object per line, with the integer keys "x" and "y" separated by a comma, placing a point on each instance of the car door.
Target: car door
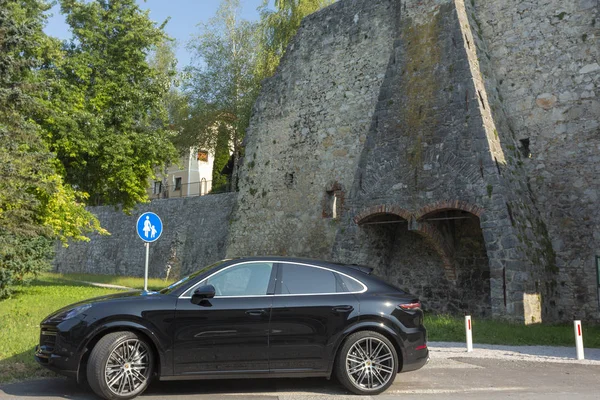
{"x": 311, "y": 308}
{"x": 229, "y": 332}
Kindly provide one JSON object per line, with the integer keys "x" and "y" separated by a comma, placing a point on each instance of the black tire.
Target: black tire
{"x": 110, "y": 348}
{"x": 379, "y": 376}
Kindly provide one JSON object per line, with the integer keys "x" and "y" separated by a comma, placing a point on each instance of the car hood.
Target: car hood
{"x": 124, "y": 296}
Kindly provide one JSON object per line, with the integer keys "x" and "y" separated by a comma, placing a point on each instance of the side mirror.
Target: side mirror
{"x": 203, "y": 293}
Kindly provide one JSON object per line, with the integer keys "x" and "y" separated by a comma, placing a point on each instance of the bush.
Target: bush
{"x": 22, "y": 258}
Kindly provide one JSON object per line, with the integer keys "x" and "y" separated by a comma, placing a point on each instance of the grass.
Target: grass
{"x": 444, "y": 328}
{"x": 21, "y": 315}
{"x": 127, "y": 281}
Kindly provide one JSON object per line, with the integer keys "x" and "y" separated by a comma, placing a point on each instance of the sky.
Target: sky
{"x": 185, "y": 16}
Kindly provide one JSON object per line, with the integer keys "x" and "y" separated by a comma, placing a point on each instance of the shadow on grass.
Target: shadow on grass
{"x": 22, "y": 367}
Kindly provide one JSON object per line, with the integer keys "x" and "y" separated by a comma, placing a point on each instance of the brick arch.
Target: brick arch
{"x": 373, "y": 211}
{"x": 444, "y": 205}
{"x": 426, "y": 230}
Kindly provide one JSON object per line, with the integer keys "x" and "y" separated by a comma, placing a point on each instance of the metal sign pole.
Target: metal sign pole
{"x": 149, "y": 228}
{"x": 146, "y": 268}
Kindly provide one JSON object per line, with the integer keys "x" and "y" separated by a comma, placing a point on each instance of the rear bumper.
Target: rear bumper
{"x": 417, "y": 361}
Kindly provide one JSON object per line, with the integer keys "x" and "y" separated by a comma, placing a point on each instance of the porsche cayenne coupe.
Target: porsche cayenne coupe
{"x": 242, "y": 318}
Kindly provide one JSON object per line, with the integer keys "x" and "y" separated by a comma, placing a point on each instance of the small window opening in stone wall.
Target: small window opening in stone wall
{"x": 177, "y": 183}
{"x": 289, "y": 180}
{"x": 333, "y": 204}
{"x": 333, "y": 201}
{"x": 525, "y": 148}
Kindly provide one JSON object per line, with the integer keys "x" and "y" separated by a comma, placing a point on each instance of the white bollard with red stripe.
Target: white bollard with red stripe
{"x": 579, "y": 340}
{"x": 469, "y": 330}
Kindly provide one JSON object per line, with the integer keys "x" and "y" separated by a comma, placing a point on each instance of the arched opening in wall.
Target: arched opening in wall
{"x": 462, "y": 235}
{"x": 404, "y": 257}
{"x": 440, "y": 257}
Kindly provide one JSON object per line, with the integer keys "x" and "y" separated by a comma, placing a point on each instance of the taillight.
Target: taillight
{"x": 410, "y": 306}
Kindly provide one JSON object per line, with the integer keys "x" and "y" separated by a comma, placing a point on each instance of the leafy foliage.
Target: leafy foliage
{"x": 219, "y": 180}
{"x": 221, "y": 85}
{"x": 106, "y": 121}
{"x": 35, "y": 205}
{"x": 232, "y": 58}
{"x": 278, "y": 27}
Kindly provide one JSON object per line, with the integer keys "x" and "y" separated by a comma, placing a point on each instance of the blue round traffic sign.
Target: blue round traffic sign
{"x": 149, "y": 227}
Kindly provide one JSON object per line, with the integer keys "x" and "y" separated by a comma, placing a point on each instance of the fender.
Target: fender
{"x": 132, "y": 323}
{"x": 375, "y": 324}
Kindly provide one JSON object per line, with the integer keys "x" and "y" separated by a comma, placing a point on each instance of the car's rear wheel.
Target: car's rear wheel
{"x": 120, "y": 366}
{"x": 366, "y": 363}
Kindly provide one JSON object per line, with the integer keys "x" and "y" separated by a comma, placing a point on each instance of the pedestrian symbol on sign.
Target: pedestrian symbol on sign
{"x": 149, "y": 228}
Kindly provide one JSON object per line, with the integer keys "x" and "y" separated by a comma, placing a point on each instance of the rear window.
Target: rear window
{"x": 351, "y": 284}
{"x": 303, "y": 279}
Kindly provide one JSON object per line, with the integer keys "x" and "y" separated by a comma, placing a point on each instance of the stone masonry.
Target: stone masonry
{"x": 194, "y": 234}
{"x": 453, "y": 145}
{"x": 457, "y": 141}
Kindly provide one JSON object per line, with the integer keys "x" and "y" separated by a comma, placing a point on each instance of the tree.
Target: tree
{"x": 278, "y": 27}
{"x": 35, "y": 205}
{"x": 222, "y": 85}
{"x": 107, "y": 122}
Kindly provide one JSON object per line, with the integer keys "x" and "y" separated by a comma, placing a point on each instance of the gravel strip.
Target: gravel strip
{"x": 104, "y": 285}
{"x": 445, "y": 350}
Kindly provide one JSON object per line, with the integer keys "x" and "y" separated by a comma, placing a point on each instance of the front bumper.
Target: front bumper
{"x": 54, "y": 363}
{"x": 55, "y": 353}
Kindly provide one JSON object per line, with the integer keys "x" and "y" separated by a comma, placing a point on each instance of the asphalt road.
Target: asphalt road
{"x": 451, "y": 378}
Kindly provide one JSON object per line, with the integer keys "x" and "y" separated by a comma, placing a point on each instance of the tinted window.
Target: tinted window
{"x": 184, "y": 281}
{"x": 301, "y": 279}
{"x": 350, "y": 284}
{"x": 250, "y": 279}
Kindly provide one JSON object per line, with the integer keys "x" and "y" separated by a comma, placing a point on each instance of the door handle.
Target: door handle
{"x": 256, "y": 313}
{"x": 341, "y": 309}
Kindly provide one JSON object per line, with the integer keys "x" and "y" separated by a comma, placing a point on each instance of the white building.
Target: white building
{"x": 192, "y": 176}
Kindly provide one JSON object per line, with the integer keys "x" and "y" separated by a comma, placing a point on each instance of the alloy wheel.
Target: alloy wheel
{"x": 127, "y": 368}
{"x": 370, "y": 364}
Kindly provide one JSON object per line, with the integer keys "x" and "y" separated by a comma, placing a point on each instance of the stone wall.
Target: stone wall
{"x": 452, "y": 145}
{"x": 401, "y": 112}
{"x": 544, "y": 60}
{"x": 195, "y": 231}
{"x": 380, "y": 104}
{"x": 308, "y": 129}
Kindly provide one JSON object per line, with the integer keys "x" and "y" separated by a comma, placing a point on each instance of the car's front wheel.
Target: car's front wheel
{"x": 366, "y": 363}
{"x": 120, "y": 366}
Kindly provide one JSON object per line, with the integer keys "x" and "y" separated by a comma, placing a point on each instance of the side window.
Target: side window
{"x": 350, "y": 284}
{"x": 250, "y": 279}
{"x": 301, "y": 279}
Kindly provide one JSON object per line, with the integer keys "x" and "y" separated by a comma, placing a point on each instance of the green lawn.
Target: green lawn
{"x": 443, "y": 328}
{"x": 21, "y": 315}
{"x": 127, "y": 281}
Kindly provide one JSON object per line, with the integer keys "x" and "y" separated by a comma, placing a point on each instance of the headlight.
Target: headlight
{"x": 73, "y": 312}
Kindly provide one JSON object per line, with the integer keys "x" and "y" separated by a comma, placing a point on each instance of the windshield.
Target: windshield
{"x": 183, "y": 281}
